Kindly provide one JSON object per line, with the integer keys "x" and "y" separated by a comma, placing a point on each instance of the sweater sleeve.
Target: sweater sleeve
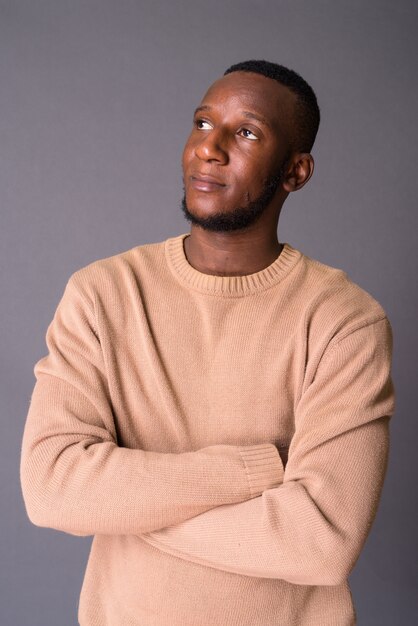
{"x": 310, "y": 529}
{"x": 74, "y": 475}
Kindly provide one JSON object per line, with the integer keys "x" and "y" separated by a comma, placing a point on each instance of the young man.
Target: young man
{"x": 214, "y": 408}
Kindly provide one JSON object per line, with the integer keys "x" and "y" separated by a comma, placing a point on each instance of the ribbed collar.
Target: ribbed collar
{"x": 228, "y": 286}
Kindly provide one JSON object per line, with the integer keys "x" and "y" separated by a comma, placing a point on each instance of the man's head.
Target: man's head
{"x": 249, "y": 146}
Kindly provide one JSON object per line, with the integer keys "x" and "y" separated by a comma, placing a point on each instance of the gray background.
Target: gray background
{"x": 96, "y": 100}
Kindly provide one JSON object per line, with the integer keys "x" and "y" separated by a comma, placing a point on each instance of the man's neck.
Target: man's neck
{"x": 230, "y": 254}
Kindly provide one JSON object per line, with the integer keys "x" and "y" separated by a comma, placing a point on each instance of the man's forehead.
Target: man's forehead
{"x": 248, "y": 91}
{"x": 249, "y": 86}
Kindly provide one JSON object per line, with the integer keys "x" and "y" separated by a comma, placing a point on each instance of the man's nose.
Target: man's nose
{"x": 213, "y": 147}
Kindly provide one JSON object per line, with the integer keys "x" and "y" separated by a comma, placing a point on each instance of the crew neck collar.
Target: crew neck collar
{"x": 227, "y": 286}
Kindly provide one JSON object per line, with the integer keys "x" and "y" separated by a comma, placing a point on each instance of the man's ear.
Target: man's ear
{"x": 298, "y": 171}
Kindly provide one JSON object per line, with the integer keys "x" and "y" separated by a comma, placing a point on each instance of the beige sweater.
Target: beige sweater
{"x": 155, "y": 424}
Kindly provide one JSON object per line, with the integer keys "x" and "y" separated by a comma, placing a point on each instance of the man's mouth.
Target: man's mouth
{"x": 205, "y": 182}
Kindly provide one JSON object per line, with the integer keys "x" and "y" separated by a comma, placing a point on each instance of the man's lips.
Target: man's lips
{"x": 204, "y": 182}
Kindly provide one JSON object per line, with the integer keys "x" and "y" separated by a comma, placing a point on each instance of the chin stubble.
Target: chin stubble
{"x": 240, "y": 217}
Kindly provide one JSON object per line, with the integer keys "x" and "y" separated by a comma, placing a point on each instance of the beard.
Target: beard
{"x": 241, "y": 217}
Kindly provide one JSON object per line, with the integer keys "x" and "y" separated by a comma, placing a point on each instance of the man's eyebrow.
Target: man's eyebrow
{"x": 202, "y": 107}
{"x": 256, "y": 116}
{"x": 247, "y": 114}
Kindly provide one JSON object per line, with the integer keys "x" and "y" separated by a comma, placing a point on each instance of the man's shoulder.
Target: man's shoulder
{"x": 120, "y": 268}
{"x": 333, "y": 295}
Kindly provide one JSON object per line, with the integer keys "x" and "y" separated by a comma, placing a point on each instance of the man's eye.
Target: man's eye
{"x": 245, "y": 132}
{"x": 202, "y": 125}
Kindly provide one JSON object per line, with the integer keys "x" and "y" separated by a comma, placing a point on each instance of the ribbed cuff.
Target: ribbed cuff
{"x": 264, "y": 467}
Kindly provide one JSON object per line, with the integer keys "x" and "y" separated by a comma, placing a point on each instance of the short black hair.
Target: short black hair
{"x": 307, "y": 114}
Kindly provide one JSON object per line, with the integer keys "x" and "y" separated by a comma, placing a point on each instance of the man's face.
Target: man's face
{"x": 234, "y": 156}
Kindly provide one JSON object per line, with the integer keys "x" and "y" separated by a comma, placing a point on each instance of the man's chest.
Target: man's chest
{"x": 214, "y": 375}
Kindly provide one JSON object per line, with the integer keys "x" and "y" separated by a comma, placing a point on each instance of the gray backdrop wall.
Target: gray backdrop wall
{"x": 96, "y": 100}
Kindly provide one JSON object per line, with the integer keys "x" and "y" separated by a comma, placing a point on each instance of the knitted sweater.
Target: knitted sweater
{"x": 156, "y": 422}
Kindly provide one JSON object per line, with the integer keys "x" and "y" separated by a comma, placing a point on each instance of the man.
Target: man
{"x": 214, "y": 408}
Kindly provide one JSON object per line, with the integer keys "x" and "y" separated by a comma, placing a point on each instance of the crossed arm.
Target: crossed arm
{"x": 306, "y": 525}
{"x": 77, "y": 479}
{"x": 312, "y": 527}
